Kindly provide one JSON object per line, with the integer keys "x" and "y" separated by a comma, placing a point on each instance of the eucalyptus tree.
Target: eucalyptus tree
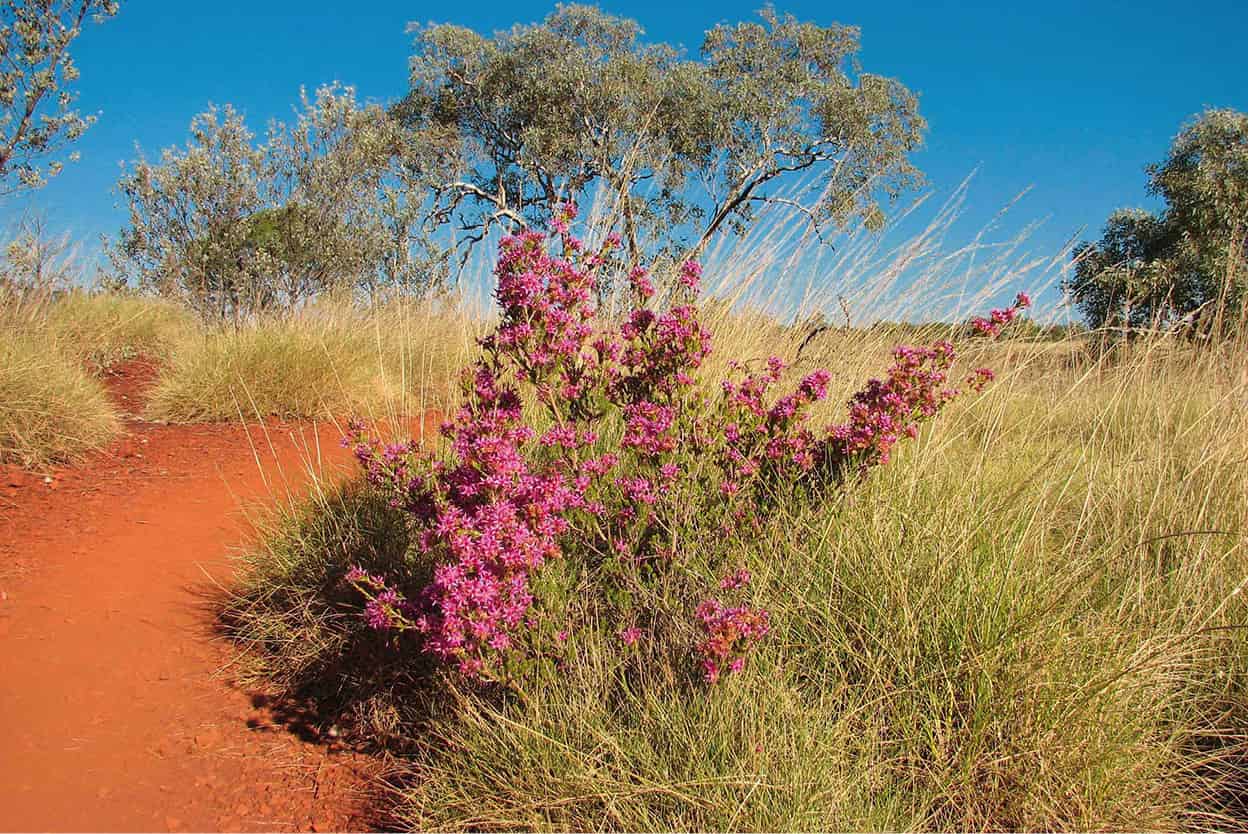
{"x": 679, "y": 148}
{"x": 189, "y": 217}
{"x": 1124, "y": 279}
{"x": 1204, "y": 183}
{"x": 344, "y": 215}
{"x": 498, "y": 131}
{"x": 235, "y": 225}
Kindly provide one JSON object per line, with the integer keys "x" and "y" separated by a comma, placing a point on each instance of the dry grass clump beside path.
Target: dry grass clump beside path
{"x": 331, "y": 360}
{"x": 51, "y": 409}
{"x": 103, "y": 329}
{"x": 54, "y": 347}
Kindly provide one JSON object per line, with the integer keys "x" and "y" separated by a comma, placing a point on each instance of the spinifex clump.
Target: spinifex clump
{"x": 509, "y": 497}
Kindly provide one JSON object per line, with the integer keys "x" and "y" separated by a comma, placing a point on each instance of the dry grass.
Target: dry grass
{"x": 1032, "y": 620}
{"x": 103, "y": 329}
{"x": 333, "y": 359}
{"x": 330, "y": 360}
{"x": 51, "y": 410}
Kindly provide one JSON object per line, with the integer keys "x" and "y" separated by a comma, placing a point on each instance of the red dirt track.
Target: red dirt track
{"x": 117, "y": 700}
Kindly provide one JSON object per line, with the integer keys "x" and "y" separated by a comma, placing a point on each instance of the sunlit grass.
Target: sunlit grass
{"x": 1032, "y": 619}
{"x": 51, "y": 410}
{"x": 103, "y": 329}
{"x": 333, "y": 359}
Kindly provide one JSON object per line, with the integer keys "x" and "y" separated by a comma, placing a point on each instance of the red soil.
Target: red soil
{"x": 118, "y": 706}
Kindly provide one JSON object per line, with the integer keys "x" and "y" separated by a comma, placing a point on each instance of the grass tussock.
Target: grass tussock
{"x": 330, "y": 360}
{"x": 294, "y": 611}
{"x": 104, "y": 329}
{"x": 53, "y": 407}
{"x": 1033, "y": 619}
{"x": 51, "y": 410}
{"x": 334, "y": 359}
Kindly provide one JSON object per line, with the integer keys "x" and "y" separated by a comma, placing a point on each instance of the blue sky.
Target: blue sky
{"x": 1070, "y": 99}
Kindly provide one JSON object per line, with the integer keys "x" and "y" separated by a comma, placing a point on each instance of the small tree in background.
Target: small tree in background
{"x": 37, "y": 118}
{"x": 1124, "y": 279}
{"x": 1188, "y": 263}
{"x": 235, "y": 226}
{"x": 189, "y": 218}
{"x": 682, "y": 149}
{"x": 346, "y": 215}
{"x": 35, "y": 263}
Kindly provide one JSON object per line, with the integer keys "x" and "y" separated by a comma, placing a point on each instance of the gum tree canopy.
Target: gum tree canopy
{"x": 233, "y": 226}
{"x": 677, "y": 149}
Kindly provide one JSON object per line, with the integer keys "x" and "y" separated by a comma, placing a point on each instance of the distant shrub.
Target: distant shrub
{"x": 233, "y": 229}
{"x": 284, "y": 368}
{"x": 1186, "y": 266}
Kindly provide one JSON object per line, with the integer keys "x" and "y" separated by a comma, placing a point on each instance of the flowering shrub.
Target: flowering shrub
{"x": 630, "y": 443}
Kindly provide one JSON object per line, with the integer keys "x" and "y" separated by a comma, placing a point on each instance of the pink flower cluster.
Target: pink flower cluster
{"x": 492, "y": 517}
{"x": 386, "y": 607}
{"x": 886, "y": 410}
{"x": 646, "y": 428}
{"x": 691, "y": 276}
{"x": 507, "y": 499}
{"x": 730, "y": 634}
{"x": 999, "y": 319}
{"x": 762, "y": 443}
{"x": 631, "y": 635}
{"x": 657, "y": 354}
{"x": 915, "y": 389}
{"x": 546, "y": 316}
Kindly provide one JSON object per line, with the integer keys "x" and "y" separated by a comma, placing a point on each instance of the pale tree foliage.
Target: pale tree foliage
{"x": 789, "y": 100}
{"x": 36, "y": 266}
{"x": 514, "y": 124}
{"x": 36, "y": 261}
{"x": 685, "y": 148}
{"x": 342, "y": 207}
{"x": 37, "y": 116}
{"x": 1204, "y": 181}
{"x": 189, "y": 216}
{"x": 234, "y": 226}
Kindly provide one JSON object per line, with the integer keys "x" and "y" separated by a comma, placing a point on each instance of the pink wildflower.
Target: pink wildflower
{"x": 631, "y": 635}
{"x": 691, "y": 275}
{"x": 731, "y": 632}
